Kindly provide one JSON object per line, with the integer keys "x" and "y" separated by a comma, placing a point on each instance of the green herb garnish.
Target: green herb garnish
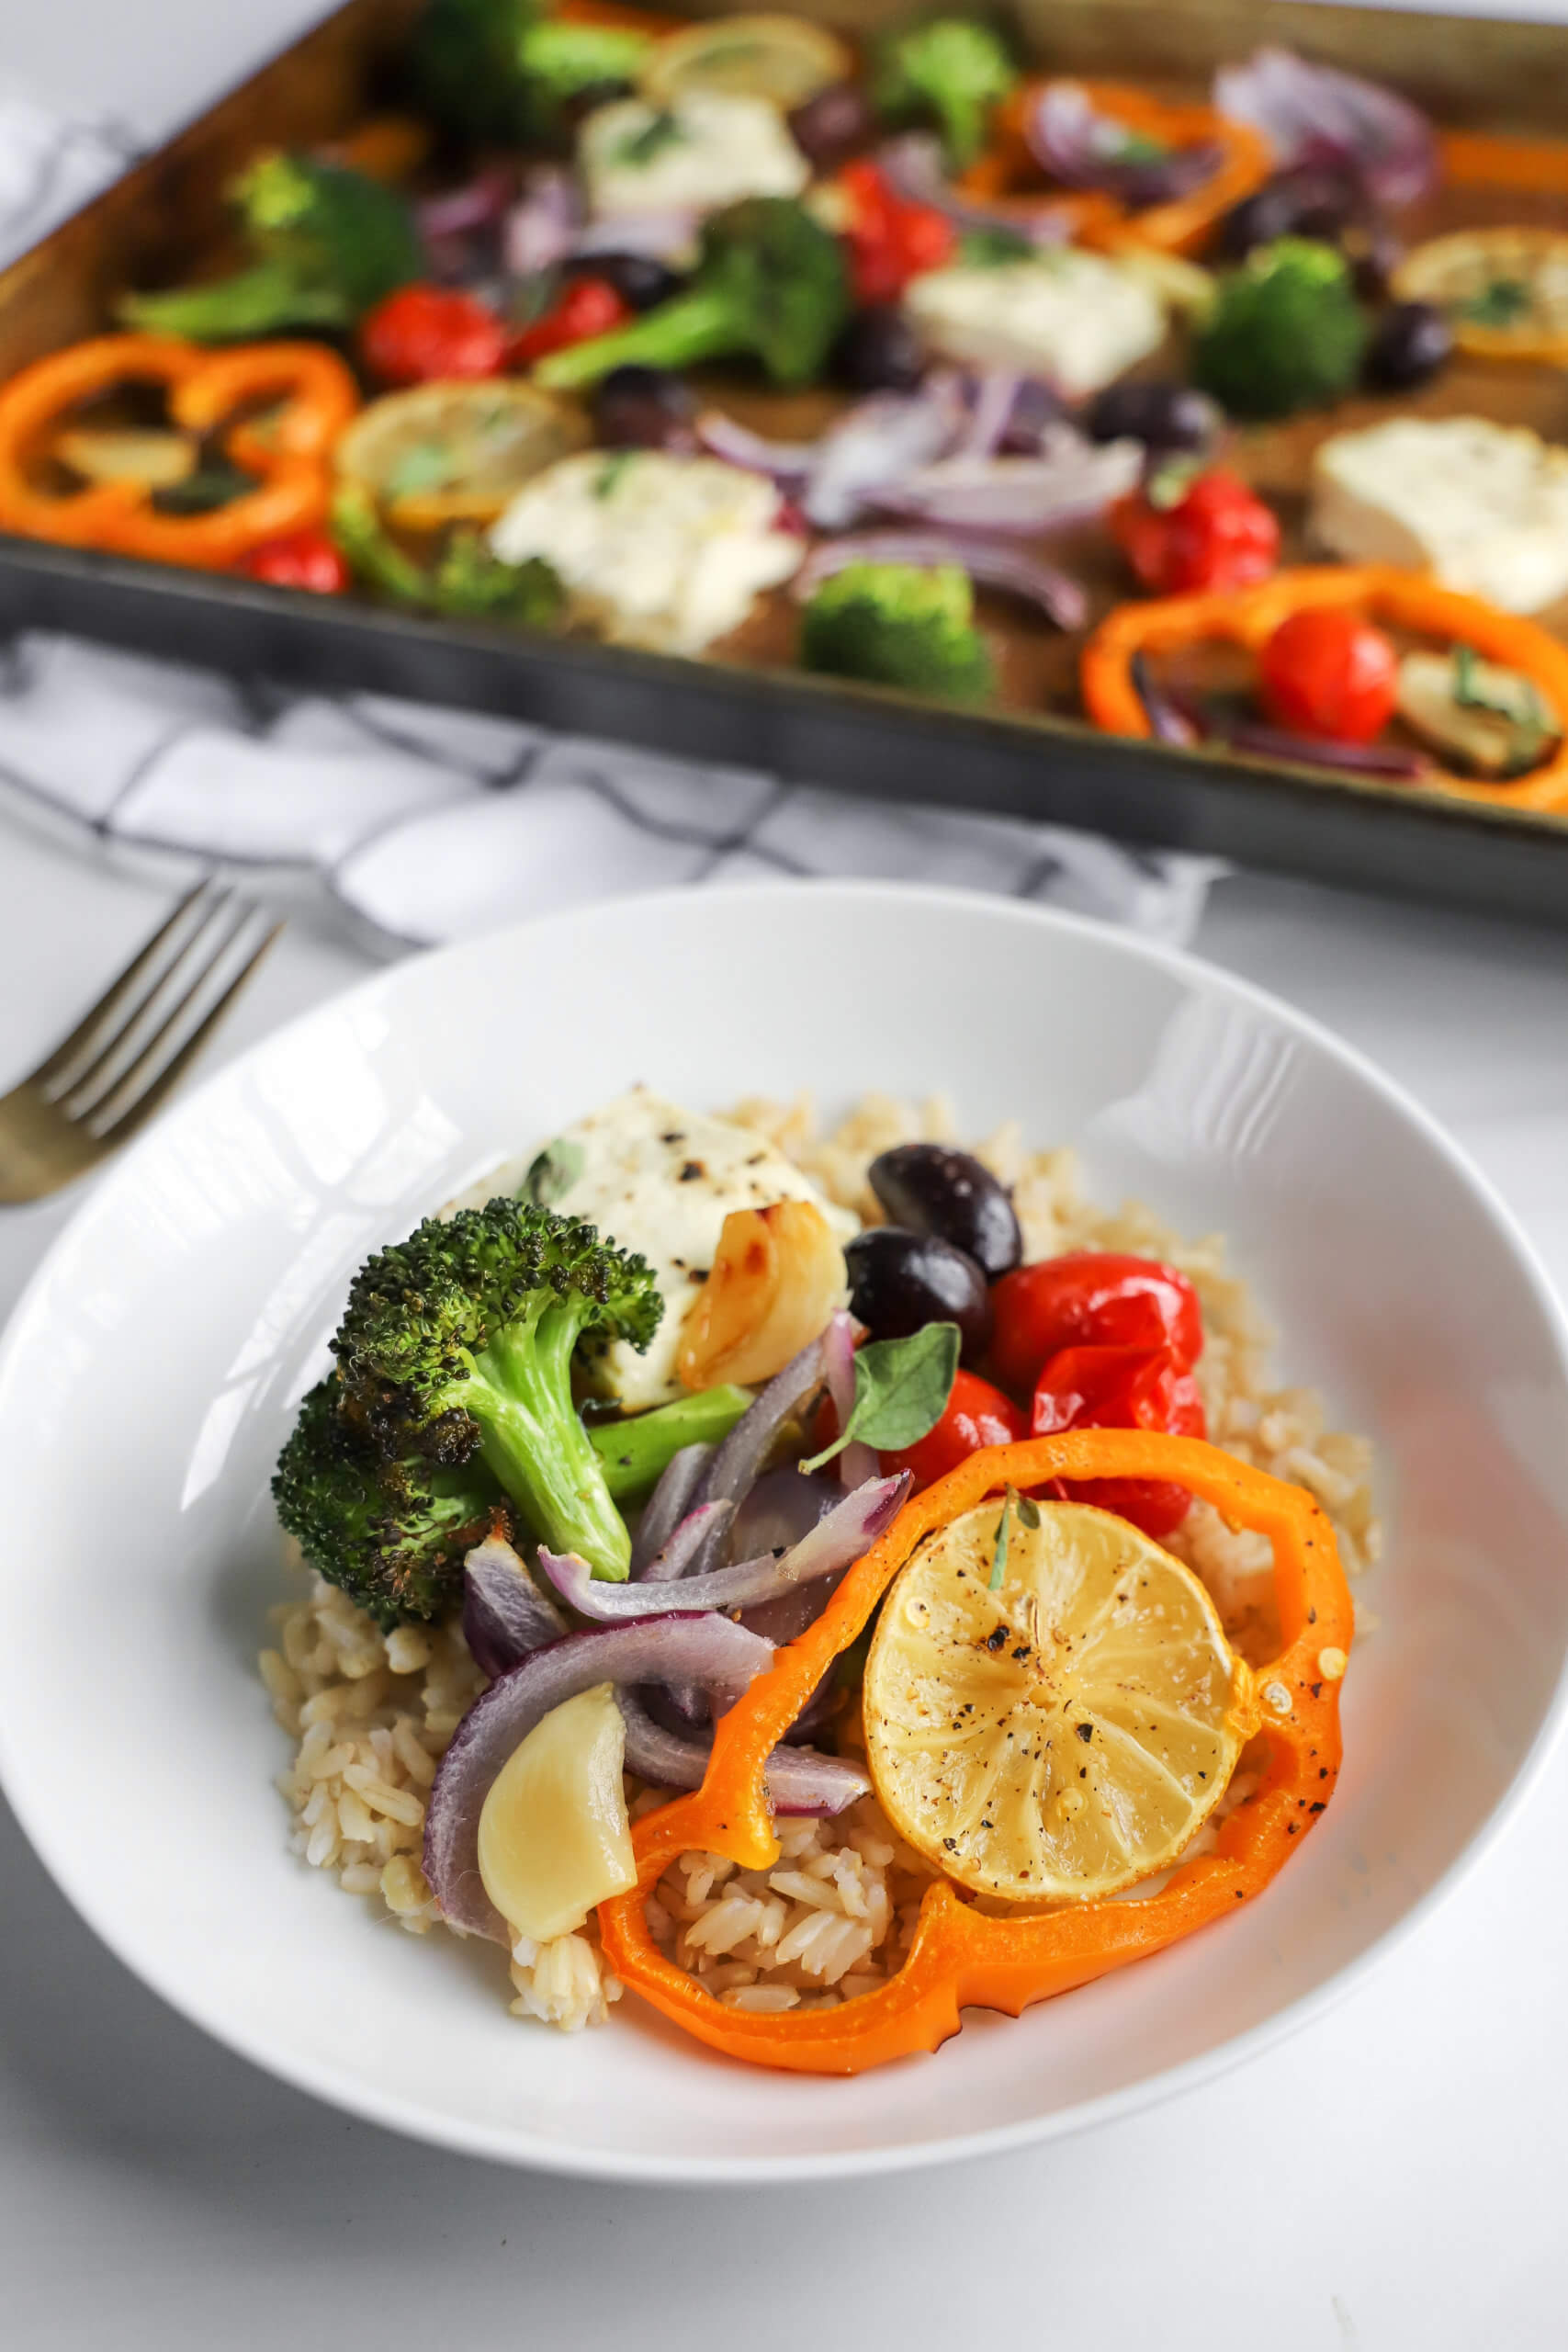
{"x": 553, "y": 1173}
{"x": 1531, "y": 725}
{"x": 990, "y": 248}
{"x": 422, "y": 466}
{"x": 204, "y": 492}
{"x": 1501, "y": 303}
{"x": 901, "y": 1391}
{"x": 639, "y": 147}
{"x": 607, "y": 481}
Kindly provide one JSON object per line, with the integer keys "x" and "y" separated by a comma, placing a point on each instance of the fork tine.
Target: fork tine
{"x": 118, "y": 993}
{"x": 88, "y": 1099}
{"x": 125, "y": 1122}
{"x": 220, "y": 925}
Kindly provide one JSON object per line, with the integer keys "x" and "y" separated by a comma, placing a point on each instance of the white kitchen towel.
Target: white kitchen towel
{"x": 433, "y": 824}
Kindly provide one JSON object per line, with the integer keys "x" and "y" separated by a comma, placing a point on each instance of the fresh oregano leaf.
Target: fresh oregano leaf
{"x": 999, "y": 1556}
{"x": 553, "y": 1173}
{"x": 901, "y": 1391}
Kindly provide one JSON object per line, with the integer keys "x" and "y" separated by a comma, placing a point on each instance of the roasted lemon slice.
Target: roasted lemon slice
{"x": 1505, "y": 290}
{"x": 1066, "y": 1733}
{"x": 781, "y": 59}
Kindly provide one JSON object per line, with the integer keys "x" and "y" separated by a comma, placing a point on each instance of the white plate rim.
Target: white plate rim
{"x": 517, "y": 2147}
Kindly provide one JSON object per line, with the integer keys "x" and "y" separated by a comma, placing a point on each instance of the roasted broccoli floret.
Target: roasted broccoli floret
{"x": 494, "y": 70}
{"x": 1285, "y": 332}
{"x": 392, "y": 1534}
{"x": 328, "y": 243}
{"x": 950, "y": 70}
{"x": 468, "y": 582}
{"x": 898, "y": 626}
{"x": 456, "y": 1348}
{"x": 771, "y": 282}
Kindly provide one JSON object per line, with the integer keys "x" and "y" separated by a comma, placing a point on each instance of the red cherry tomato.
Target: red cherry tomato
{"x": 1123, "y": 1389}
{"x": 422, "y": 334}
{"x": 588, "y": 307}
{"x": 890, "y": 238}
{"x": 1217, "y": 534}
{"x": 1090, "y": 1298}
{"x": 976, "y": 1414}
{"x": 1330, "y": 673}
{"x": 304, "y": 560}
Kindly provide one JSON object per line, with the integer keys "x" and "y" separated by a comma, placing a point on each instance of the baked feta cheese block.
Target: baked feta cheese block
{"x": 661, "y": 1181}
{"x": 1484, "y": 507}
{"x": 707, "y": 149}
{"x": 653, "y": 549}
{"x": 1076, "y": 319}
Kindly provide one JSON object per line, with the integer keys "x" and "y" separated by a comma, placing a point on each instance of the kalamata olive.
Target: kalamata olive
{"x": 831, "y": 124}
{"x": 638, "y": 279}
{"x": 901, "y": 1281}
{"x": 931, "y": 1188}
{"x": 879, "y": 352}
{"x": 1308, "y": 202}
{"x": 1409, "y": 342}
{"x": 1166, "y": 416}
{"x": 644, "y": 408}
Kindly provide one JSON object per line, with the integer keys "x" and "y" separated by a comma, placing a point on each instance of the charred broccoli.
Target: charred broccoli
{"x": 1285, "y": 332}
{"x": 328, "y": 244}
{"x": 771, "y": 281}
{"x": 950, "y": 70}
{"x": 494, "y": 70}
{"x": 392, "y": 1534}
{"x": 468, "y": 582}
{"x": 897, "y": 625}
{"x": 456, "y": 1350}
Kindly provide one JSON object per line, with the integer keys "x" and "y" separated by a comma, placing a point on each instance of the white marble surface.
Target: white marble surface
{"x": 1389, "y": 2180}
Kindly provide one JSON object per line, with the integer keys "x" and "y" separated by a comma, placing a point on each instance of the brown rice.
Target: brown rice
{"x": 371, "y": 1715}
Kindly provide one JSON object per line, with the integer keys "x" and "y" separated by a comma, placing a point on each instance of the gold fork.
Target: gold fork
{"x": 128, "y": 1054}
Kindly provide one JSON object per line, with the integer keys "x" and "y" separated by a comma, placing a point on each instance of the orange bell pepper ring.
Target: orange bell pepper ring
{"x": 288, "y": 450}
{"x": 1181, "y": 226}
{"x": 961, "y": 1957}
{"x": 1406, "y": 600}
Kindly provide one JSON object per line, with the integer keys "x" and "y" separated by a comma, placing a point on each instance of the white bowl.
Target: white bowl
{"x": 150, "y": 1372}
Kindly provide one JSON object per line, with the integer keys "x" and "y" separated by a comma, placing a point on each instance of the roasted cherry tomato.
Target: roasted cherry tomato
{"x": 890, "y": 240}
{"x": 424, "y": 334}
{"x": 1099, "y": 1298}
{"x": 976, "y": 1414}
{"x": 304, "y": 560}
{"x": 587, "y": 307}
{"x": 1122, "y": 1388}
{"x": 1217, "y": 533}
{"x": 1330, "y": 673}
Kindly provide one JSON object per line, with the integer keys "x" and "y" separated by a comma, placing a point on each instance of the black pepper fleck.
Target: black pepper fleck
{"x": 690, "y": 1171}
{"x": 997, "y": 1640}
{"x": 1085, "y": 1730}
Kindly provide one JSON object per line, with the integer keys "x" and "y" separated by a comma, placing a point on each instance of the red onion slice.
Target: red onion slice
{"x": 735, "y": 1466}
{"x": 798, "y": 1779}
{"x": 857, "y": 1463}
{"x": 1388, "y": 761}
{"x": 992, "y": 564}
{"x": 880, "y": 441}
{"x": 1315, "y": 113}
{"x": 542, "y": 226}
{"x": 1082, "y": 148}
{"x": 847, "y": 1531}
{"x": 505, "y": 1616}
{"x": 476, "y": 205}
{"x": 1070, "y": 481}
{"x": 667, "y": 1505}
{"x": 996, "y": 396}
{"x": 706, "y": 1648}
{"x": 912, "y": 168}
{"x": 702, "y": 1535}
{"x": 1169, "y": 719}
{"x": 788, "y": 463}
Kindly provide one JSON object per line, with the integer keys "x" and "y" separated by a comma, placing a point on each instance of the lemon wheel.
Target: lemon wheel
{"x": 1505, "y": 290}
{"x": 781, "y": 59}
{"x": 1061, "y": 1734}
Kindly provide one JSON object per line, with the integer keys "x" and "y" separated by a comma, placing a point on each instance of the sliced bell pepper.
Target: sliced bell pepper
{"x": 288, "y": 449}
{"x": 1403, "y": 600}
{"x": 961, "y": 1958}
{"x": 1181, "y": 226}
